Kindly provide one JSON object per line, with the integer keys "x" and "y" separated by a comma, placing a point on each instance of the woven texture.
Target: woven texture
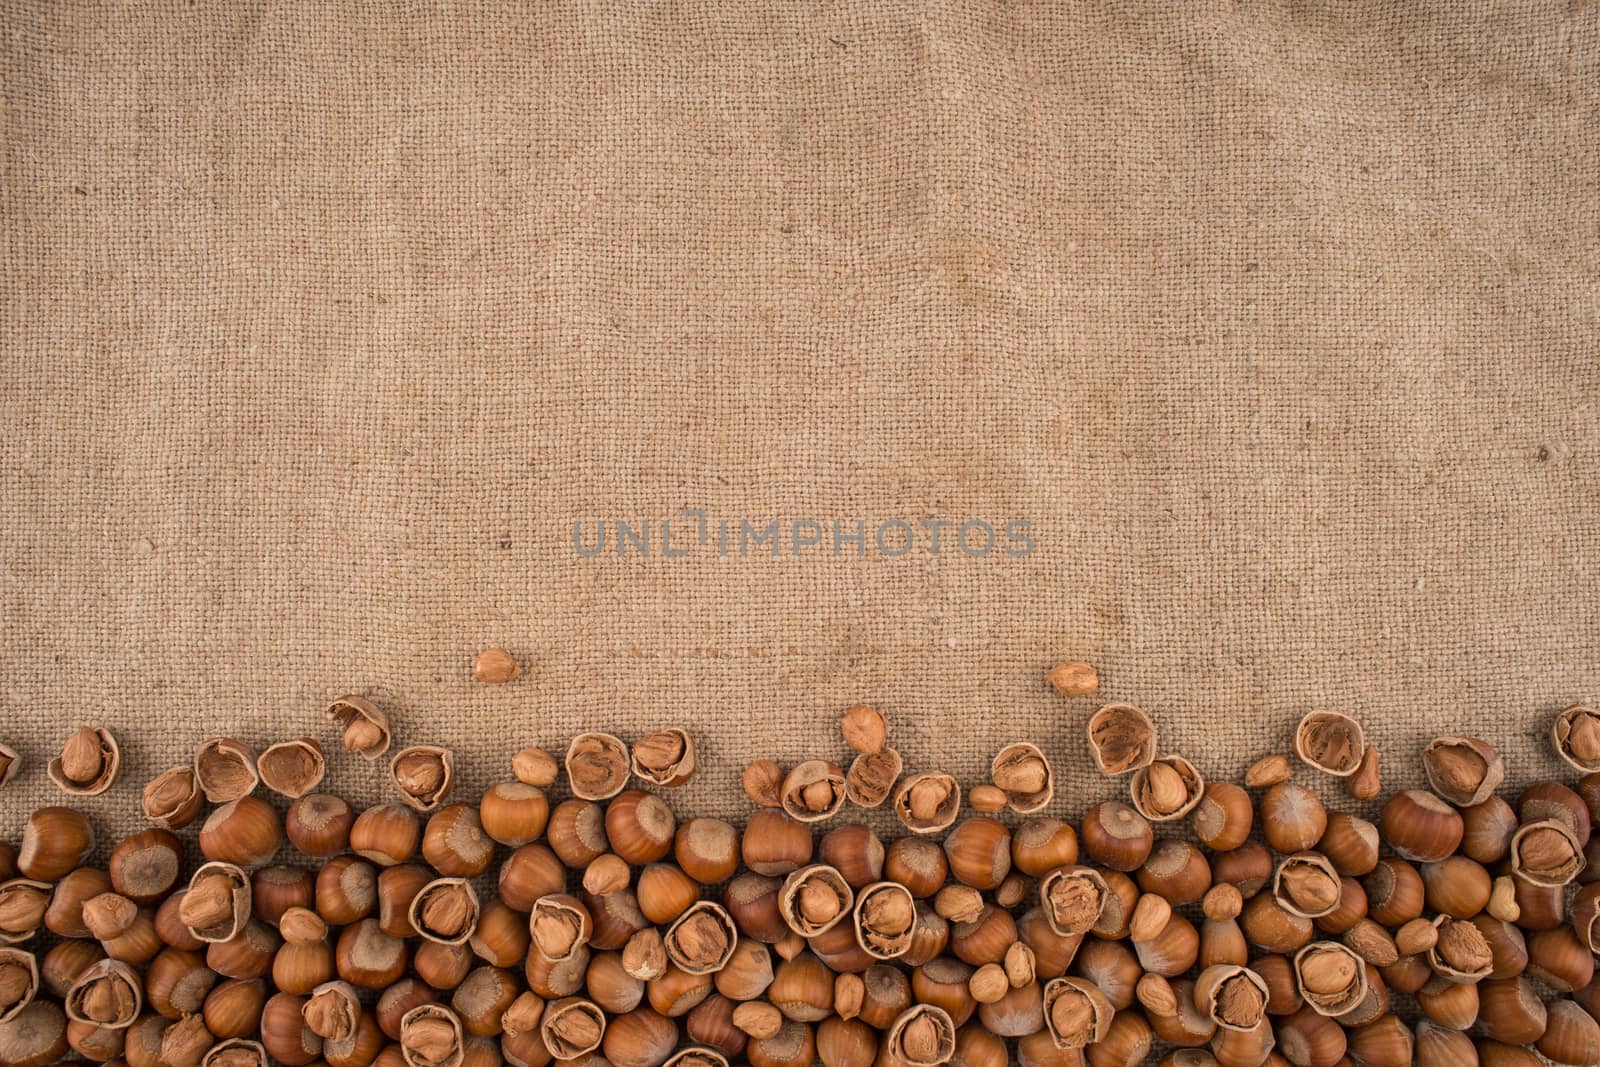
{"x": 1278, "y": 323}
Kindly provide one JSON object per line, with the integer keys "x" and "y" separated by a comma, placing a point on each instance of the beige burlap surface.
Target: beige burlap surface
{"x": 324, "y": 321}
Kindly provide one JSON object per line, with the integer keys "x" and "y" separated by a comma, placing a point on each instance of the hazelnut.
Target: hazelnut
{"x": 958, "y": 903}
{"x": 1571, "y": 1034}
{"x": 216, "y": 905}
{"x": 1330, "y": 741}
{"x": 236, "y": 1052}
{"x": 1117, "y": 836}
{"x": 54, "y": 841}
{"x": 1576, "y": 733}
{"x": 665, "y": 758}
{"x": 978, "y": 852}
{"x": 921, "y": 1036}
{"x": 986, "y": 799}
{"x": 365, "y": 726}
{"x": 1122, "y": 738}
{"x": 387, "y": 834}
{"x": 1167, "y": 788}
{"x": 560, "y": 926}
{"x": 1350, "y": 843}
{"x": 108, "y": 994}
{"x": 597, "y": 766}
{"x": 445, "y": 910}
{"x": 863, "y": 729}
{"x": 430, "y": 1036}
{"x": 10, "y": 763}
{"x": 1222, "y": 819}
{"x": 1268, "y": 771}
{"x": 639, "y": 826}
{"x": 577, "y": 832}
{"x": 88, "y": 762}
{"x": 1073, "y": 899}
{"x": 225, "y": 769}
{"x": 813, "y": 791}
{"x": 1307, "y": 885}
{"x": 319, "y": 825}
{"x": 1460, "y": 953}
{"x": 1367, "y": 782}
{"x": 495, "y": 666}
{"x": 173, "y": 799}
{"x": 1076, "y": 1013}
{"x": 1292, "y": 818}
{"x": 763, "y": 783}
{"x": 1073, "y": 679}
{"x": 454, "y": 841}
{"x": 536, "y": 767}
{"x": 1025, "y": 776}
{"x": 245, "y": 832}
{"x": 292, "y": 768}
{"x": 775, "y": 843}
{"x": 871, "y": 777}
{"x": 707, "y": 850}
{"x": 369, "y": 958}
{"x": 885, "y": 917}
{"x": 1331, "y": 978}
{"x": 815, "y": 898}
{"x": 702, "y": 939}
{"x": 1177, "y": 871}
{"x": 422, "y": 776}
{"x": 19, "y": 981}
{"x": 571, "y": 1027}
{"x": 1546, "y": 853}
{"x": 664, "y": 892}
{"x": 1463, "y": 770}
{"x": 1040, "y": 845}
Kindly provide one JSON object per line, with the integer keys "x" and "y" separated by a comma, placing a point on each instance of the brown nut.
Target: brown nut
{"x": 1330, "y": 741}
{"x": 173, "y": 799}
{"x": 292, "y": 768}
{"x": 1463, "y": 770}
{"x": 927, "y": 802}
{"x": 1073, "y": 679}
{"x": 1461, "y": 952}
{"x": 921, "y": 1036}
{"x": 885, "y": 920}
{"x": 814, "y": 899}
{"x": 216, "y": 906}
{"x": 88, "y": 762}
{"x": 1233, "y": 997}
{"x": 1167, "y": 788}
{"x": 597, "y": 766}
{"x": 572, "y": 1027}
{"x": 1076, "y": 1012}
{"x": 495, "y": 666}
{"x": 763, "y": 783}
{"x": 319, "y": 825}
{"x": 10, "y": 763}
{"x": 813, "y": 791}
{"x": 871, "y": 777}
{"x": 422, "y": 775}
{"x": 1268, "y": 771}
{"x": 536, "y": 767}
{"x": 702, "y": 939}
{"x": 1576, "y": 733}
{"x": 445, "y": 911}
{"x": 1122, "y": 738}
{"x": 1546, "y": 853}
{"x": 1367, "y": 782}
{"x": 225, "y": 769}
{"x": 246, "y": 832}
{"x": 430, "y": 1036}
{"x": 1025, "y": 776}
{"x": 54, "y": 841}
{"x": 863, "y": 729}
{"x": 1073, "y": 899}
{"x": 109, "y": 994}
{"x": 236, "y": 1052}
{"x": 665, "y": 758}
{"x": 19, "y": 981}
{"x": 365, "y": 725}
{"x": 1331, "y": 978}
{"x": 1306, "y": 884}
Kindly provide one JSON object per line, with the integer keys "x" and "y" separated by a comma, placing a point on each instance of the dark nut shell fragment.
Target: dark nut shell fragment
{"x": 109, "y": 994}
{"x": 422, "y": 775}
{"x": 445, "y": 911}
{"x": 225, "y": 769}
{"x": 1076, "y": 1012}
{"x": 702, "y": 939}
{"x": 1073, "y": 899}
{"x": 665, "y": 757}
{"x": 921, "y": 1036}
{"x": 1576, "y": 733}
{"x": 814, "y": 899}
{"x": 1331, "y": 978}
{"x": 293, "y": 768}
{"x": 597, "y": 766}
{"x": 871, "y": 777}
{"x": 927, "y": 802}
{"x": 88, "y": 762}
{"x": 1021, "y": 771}
{"x": 365, "y": 725}
{"x": 572, "y": 1027}
{"x": 1463, "y": 770}
{"x": 1546, "y": 853}
{"x": 885, "y": 920}
{"x": 216, "y": 906}
{"x": 813, "y": 790}
{"x": 173, "y": 799}
{"x": 19, "y": 981}
{"x": 430, "y": 1036}
{"x": 1330, "y": 741}
{"x": 1122, "y": 738}
{"x": 1167, "y": 789}
{"x": 1233, "y": 997}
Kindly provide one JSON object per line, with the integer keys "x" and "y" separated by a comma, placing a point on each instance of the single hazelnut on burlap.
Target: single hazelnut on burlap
{"x": 172, "y": 799}
{"x": 365, "y": 725}
{"x": 495, "y": 666}
{"x": 536, "y": 767}
{"x": 763, "y": 783}
{"x": 863, "y": 729}
{"x": 1122, "y": 738}
{"x": 1073, "y": 679}
{"x": 9, "y": 763}
{"x": 88, "y": 762}
{"x": 1268, "y": 771}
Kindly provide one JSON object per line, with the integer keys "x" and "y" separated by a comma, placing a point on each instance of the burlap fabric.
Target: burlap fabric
{"x": 324, "y": 321}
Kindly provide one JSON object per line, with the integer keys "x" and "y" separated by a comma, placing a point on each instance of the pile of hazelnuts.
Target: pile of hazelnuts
{"x": 1197, "y": 923}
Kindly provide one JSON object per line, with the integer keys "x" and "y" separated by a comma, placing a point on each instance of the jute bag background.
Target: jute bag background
{"x": 324, "y": 321}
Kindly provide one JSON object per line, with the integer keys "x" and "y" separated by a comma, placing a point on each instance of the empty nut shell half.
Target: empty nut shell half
{"x": 1576, "y": 733}
{"x": 814, "y": 899}
{"x": 1546, "y": 853}
{"x": 19, "y": 981}
{"x": 927, "y": 802}
{"x": 1330, "y": 741}
{"x": 225, "y": 769}
{"x": 871, "y": 777}
{"x": 293, "y": 768}
{"x": 1463, "y": 770}
{"x": 1073, "y": 899}
{"x": 445, "y": 911}
{"x": 1166, "y": 789}
{"x": 921, "y": 1036}
{"x": 430, "y": 1036}
{"x": 1122, "y": 738}
{"x": 1306, "y": 884}
{"x": 236, "y": 1052}
{"x": 365, "y": 725}
{"x": 664, "y": 758}
{"x": 9, "y": 763}
{"x": 1233, "y": 997}
{"x": 597, "y": 766}
{"x": 1331, "y": 978}
{"x": 422, "y": 775}
{"x": 216, "y": 905}
{"x": 572, "y": 1027}
{"x": 173, "y": 799}
{"x": 702, "y": 939}
{"x": 885, "y": 920}
{"x": 1076, "y": 1013}
{"x": 812, "y": 791}
{"x": 1021, "y": 771}
{"x": 109, "y": 994}
{"x": 88, "y": 762}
